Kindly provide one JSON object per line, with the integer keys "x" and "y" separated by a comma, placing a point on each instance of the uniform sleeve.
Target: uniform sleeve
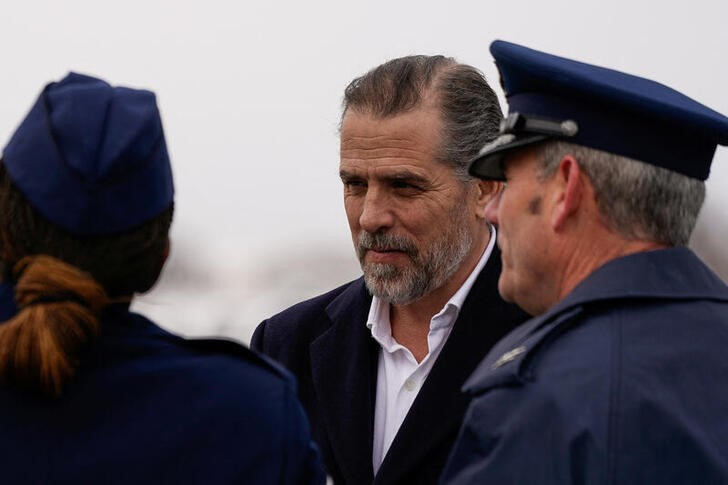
{"x": 510, "y": 436}
{"x": 302, "y": 462}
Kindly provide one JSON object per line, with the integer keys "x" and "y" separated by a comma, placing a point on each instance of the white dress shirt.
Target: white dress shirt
{"x": 399, "y": 375}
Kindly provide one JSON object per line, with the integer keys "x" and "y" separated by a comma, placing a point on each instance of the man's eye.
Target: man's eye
{"x": 353, "y": 184}
{"x": 402, "y": 184}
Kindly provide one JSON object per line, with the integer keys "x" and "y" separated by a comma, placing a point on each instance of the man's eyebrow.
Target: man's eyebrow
{"x": 406, "y": 177}
{"x": 403, "y": 176}
{"x": 344, "y": 175}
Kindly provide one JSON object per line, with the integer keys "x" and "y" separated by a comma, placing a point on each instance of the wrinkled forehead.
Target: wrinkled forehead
{"x": 364, "y": 135}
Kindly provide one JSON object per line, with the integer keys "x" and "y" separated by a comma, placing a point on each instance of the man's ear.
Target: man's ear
{"x": 485, "y": 191}
{"x": 569, "y": 186}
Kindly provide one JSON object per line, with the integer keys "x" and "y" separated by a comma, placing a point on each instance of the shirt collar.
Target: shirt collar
{"x": 458, "y": 298}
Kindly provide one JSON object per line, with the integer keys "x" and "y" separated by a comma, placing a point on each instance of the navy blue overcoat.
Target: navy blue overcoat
{"x": 146, "y": 406}
{"x": 625, "y": 381}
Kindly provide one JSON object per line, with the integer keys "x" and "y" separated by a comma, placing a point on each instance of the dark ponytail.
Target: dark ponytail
{"x": 62, "y": 283}
{"x": 58, "y": 315}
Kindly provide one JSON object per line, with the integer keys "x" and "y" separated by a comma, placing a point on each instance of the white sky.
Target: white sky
{"x": 250, "y": 94}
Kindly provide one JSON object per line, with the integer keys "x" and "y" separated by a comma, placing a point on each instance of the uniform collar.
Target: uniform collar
{"x": 663, "y": 274}
{"x": 673, "y": 273}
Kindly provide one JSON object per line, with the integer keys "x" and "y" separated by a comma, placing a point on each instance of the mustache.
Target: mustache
{"x": 385, "y": 242}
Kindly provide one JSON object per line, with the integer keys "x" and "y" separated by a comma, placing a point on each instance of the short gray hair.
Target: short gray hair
{"x": 470, "y": 111}
{"x": 637, "y": 200}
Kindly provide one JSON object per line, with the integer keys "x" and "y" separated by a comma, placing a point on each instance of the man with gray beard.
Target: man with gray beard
{"x": 380, "y": 360}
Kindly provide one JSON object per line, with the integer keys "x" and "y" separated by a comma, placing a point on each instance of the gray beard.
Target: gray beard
{"x": 429, "y": 270}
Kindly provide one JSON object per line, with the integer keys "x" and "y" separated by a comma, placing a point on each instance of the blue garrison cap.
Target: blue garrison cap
{"x": 92, "y": 158}
{"x": 551, "y": 97}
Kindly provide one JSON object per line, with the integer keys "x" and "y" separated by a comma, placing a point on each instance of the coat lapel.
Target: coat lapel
{"x": 344, "y": 366}
{"x": 435, "y": 416}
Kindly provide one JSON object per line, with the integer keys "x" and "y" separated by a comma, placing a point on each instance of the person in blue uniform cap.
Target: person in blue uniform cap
{"x": 620, "y": 376}
{"x": 89, "y": 391}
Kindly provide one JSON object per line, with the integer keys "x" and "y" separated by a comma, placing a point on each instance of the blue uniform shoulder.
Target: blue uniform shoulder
{"x": 222, "y": 347}
{"x": 210, "y": 360}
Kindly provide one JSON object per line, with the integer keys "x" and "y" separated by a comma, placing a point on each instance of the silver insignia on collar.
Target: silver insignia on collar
{"x": 508, "y": 356}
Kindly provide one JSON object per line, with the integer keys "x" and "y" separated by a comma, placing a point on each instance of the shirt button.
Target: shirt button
{"x": 410, "y": 384}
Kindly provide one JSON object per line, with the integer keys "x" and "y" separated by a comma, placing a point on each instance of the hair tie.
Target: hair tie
{"x": 66, "y": 297}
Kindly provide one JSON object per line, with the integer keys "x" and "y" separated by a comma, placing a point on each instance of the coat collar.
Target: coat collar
{"x": 674, "y": 273}
{"x": 668, "y": 274}
{"x": 344, "y": 364}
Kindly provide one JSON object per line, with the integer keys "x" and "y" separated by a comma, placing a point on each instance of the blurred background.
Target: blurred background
{"x": 250, "y": 96}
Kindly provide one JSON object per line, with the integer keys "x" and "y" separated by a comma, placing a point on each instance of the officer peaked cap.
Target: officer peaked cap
{"x": 551, "y": 97}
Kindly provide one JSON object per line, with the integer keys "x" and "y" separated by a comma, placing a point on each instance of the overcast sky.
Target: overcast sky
{"x": 250, "y": 95}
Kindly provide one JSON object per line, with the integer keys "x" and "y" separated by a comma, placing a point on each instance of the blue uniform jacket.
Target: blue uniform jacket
{"x": 625, "y": 381}
{"x": 146, "y": 406}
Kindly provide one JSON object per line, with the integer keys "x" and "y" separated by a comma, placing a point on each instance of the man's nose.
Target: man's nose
{"x": 376, "y": 213}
